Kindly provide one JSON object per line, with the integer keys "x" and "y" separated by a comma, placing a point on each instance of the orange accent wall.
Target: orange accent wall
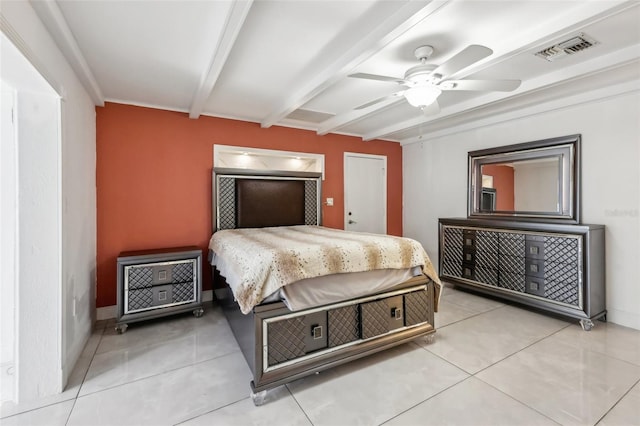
{"x": 153, "y": 176}
{"x": 503, "y": 181}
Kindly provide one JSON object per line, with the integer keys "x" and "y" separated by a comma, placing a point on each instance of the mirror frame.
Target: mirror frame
{"x": 565, "y": 148}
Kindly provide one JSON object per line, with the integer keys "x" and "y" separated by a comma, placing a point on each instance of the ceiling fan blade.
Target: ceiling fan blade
{"x": 483, "y": 85}
{"x": 376, "y": 77}
{"x": 375, "y": 101}
{"x": 469, "y": 55}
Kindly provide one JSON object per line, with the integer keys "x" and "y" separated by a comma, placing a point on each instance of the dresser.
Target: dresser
{"x": 558, "y": 268}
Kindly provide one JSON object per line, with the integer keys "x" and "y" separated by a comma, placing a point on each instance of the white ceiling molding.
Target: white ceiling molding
{"x": 557, "y": 104}
{"x": 410, "y": 14}
{"x": 26, "y": 51}
{"x": 590, "y": 12}
{"x": 49, "y": 13}
{"x": 234, "y": 22}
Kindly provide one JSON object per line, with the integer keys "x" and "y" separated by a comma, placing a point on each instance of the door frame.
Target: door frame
{"x": 384, "y": 184}
{"x": 39, "y": 345}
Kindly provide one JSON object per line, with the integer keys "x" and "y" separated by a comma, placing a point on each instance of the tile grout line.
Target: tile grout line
{"x": 71, "y": 398}
{"x": 516, "y": 400}
{"x": 470, "y": 316}
{"x": 427, "y": 399}
{"x": 520, "y": 350}
{"x": 159, "y": 374}
{"x": 84, "y": 376}
{"x": 637, "y": 383}
{"x": 210, "y": 411}
{"x": 474, "y": 374}
{"x": 286, "y": 385}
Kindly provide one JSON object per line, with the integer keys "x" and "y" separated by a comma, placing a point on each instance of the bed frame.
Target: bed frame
{"x": 282, "y": 345}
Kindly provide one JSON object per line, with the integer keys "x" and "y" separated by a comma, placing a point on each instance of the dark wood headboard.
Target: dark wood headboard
{"x": 255, "y": 199}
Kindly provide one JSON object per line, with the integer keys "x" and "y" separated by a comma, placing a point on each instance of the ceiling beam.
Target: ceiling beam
{"x": 563, "y": 25}
{"x": 354, "y": 115}
{"x": 235, "y": 20}
{"x": 51, "y": 16}
{"x": 409, "y": 14}
{"x": 564, "y": 75}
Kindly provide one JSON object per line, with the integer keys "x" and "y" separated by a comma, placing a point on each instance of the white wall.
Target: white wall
{"x": 535, "y": 186}
{"x": 8, "y": 224}
{"x": 435, "y": 183}
{"x": 77, "y": 194}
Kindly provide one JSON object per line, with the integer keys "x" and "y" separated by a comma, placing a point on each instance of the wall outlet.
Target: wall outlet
{"x": 329, "y": 201}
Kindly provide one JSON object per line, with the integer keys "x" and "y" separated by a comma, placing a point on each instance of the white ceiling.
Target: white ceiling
{"x": 286, "y": 62}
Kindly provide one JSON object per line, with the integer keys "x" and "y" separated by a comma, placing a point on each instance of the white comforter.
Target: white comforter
{"x": 265, "y": 259}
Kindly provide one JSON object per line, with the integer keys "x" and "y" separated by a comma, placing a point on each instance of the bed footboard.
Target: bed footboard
{"x": 280, "y": 345}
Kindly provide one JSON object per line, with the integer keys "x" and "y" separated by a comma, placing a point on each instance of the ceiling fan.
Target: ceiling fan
{"x": 425, "y": 82}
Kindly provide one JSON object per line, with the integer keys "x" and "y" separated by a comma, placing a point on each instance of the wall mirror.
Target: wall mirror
{"x": 537, "y": 181}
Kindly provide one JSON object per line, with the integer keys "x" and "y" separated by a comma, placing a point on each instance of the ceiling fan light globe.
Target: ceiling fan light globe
{"x": 422, "y": 96}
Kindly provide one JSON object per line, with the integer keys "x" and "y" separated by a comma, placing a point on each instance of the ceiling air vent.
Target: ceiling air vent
{"x": 567, "y": 47}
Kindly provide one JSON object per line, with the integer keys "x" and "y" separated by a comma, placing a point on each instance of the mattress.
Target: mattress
{"x": 258, "y": 263}
{"x": 320, "y": 291}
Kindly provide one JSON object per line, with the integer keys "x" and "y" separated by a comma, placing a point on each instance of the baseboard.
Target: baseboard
{"x": 624, "y": 318}
{"x": 108, "y": 312}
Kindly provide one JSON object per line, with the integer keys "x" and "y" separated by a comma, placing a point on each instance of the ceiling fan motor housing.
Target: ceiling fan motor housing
{"x": 422, "y": 74}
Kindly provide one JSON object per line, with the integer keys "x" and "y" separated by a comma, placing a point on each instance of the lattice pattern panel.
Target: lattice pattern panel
{"x": 286, "y": 340}
{"x": 487, "y": 241}
{"x": 183, "y": 292}
{"x": 561, "y": 249}
{"x": 416, "y": 308}
{"x": 511, "y": 281}
{"x": 512, "y": 264}
{"x": 486, "y": 276}
{"x": 344, "y": 325}
{"x": 561, "y": 282}
{"x": 139, "y": 277}
{"x": 182, "y": 272}
{"x": 487, "y": 259}
{"x": 226, "y": 203}
{"x": 311, "y": 202}
{"x": 511, "y": 244}
{"x": 452, "y": 252}
{"x": 139, "y": 299}
{"x": 375, "y": 318}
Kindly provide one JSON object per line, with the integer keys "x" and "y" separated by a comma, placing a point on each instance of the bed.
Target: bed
{"x": 295, "y": 311}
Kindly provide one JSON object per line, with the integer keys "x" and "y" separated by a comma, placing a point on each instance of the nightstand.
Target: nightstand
{"x": 156, "y": 283}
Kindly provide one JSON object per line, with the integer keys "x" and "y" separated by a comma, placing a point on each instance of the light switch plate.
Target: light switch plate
{"x": 329, "y": 201}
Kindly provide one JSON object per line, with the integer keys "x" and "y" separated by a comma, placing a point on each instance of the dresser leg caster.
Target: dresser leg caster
{"x": 121, "y": 328}
{"x": 586, "y": 324}
{"x": 198, "y": 312}
{"x": 258, "y": 397}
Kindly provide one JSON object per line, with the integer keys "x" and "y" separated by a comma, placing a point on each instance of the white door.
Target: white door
{"x": 365, "y": 193}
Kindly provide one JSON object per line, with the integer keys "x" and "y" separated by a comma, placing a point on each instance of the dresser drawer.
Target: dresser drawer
{"x": 147, "y": 275}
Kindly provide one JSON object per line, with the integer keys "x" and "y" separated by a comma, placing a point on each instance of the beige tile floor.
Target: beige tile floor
{"x": 491, "y": 363}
